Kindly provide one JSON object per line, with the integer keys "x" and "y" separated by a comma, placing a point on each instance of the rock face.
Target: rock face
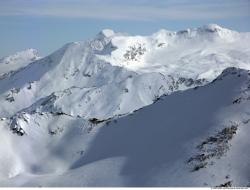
{"x": 213, "y": 147}
{"x": 141, "y": 108}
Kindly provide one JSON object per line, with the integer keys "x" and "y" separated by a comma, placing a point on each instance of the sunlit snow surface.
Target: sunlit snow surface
{"x": 69, "y": 119}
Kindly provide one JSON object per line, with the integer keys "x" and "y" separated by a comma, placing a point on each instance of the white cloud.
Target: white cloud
{"x": 125, "y": 10}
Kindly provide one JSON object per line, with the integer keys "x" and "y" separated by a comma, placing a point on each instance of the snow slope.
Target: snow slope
{"x": 18, "y": 60}
{"x": 192, "y": 53}
{"x": 105, "y": 67}
{"x": 151, "y": 147}
{"x": 54, "y": 110}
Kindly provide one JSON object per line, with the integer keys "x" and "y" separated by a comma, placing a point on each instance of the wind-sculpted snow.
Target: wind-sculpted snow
{"x": 67, "y": 117}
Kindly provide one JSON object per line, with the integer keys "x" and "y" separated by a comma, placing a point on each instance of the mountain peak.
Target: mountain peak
{"x": 107, "y": 33}
{"x": 17, "y": 60}
{"x": 212, "y": 27}
{"x": 30, "y": 52}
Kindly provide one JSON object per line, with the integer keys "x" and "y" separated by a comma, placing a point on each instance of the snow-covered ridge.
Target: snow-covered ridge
{"x": 27, "y": 54}
{"x": 63, "y": 100}
{"x": 61, "y": 148}
{"x": 199, "y": 49}
{"x": 16, "y": 61}
{"x": 113, "y": 64}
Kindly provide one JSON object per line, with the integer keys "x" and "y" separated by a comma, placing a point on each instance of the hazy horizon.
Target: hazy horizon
{"x": 47, "y": 25}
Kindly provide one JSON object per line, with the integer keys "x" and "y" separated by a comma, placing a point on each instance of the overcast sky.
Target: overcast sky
{"x": 48, "y": 24}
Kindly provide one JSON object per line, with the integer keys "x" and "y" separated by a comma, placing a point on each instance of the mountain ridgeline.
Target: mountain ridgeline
{"x": 169, "y": 109}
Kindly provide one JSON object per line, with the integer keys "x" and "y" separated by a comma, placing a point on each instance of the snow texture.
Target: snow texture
{"x": 170, "y": 109}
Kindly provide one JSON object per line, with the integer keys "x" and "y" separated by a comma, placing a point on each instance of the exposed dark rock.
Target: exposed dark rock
{"x": 237, "y": 101}
{"x": 213, "y": 147}
{"x": 10, "y": 99}
{"x": 86, "y": 75}
{"x": 134, "y": 52}
{"x": 227, "y": 184}
{"x": 125, "y": 90}
{"x": 161, "y": 44}
{"x": 55, "y": 131}
{"x": 96, "y": 121}
{"x": 18, "y": 131}
{"x": 199, "y": 166}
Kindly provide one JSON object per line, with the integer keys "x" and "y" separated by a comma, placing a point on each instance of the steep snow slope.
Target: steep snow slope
{"x": 197, "y": 137}
{"x": 18, "y": 60}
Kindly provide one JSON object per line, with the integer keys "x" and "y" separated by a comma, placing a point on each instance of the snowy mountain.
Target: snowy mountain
{"x": 70, "y": 118}
{"x": 9, "y": 64}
